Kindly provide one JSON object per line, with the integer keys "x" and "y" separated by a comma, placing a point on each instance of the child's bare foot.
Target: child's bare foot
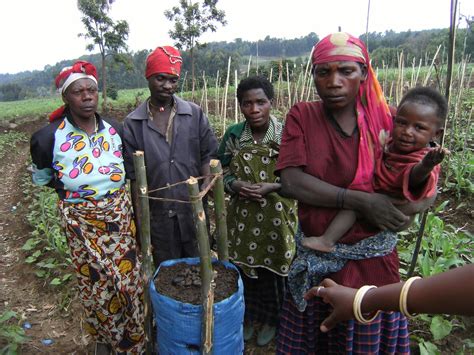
{"x": 318, "y": 243}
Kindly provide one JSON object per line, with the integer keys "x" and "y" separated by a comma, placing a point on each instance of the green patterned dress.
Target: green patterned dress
{"x": 260, "y": 233}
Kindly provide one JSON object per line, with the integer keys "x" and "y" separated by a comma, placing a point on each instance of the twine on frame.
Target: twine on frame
{"x": 169, "y": 186}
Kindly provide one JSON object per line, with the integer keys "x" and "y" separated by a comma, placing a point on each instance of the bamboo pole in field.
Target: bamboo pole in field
{"x": 221, "y": 214}
{"x": 201, "y": 101}
{"x": 310, "y": 87}
{"x": 207, "y": 292}
{"x": 217, "y": 105}
{"x": 399, "y": 87}
{"x": 298, "y": 83}
{"x": 236, "y": 106}
{"x": 391, "y": 93}
{"x": 306, "y": 72}
{"x": 224, "y": 104}
{"x": 206, "y": 99}
{"x": 457, "y": 107}
{"x": 418, "y": 71}
{"x": 288, "y": 85}
{"x": 248, "y": 65}
{"x": 412, "y": 76}
{"x": 183, "y": 83}
{"x": 270, "y": 76}
{"x": 280, "y": 68}
{"x": 385, "y": 74}
{"x": 452, "y": 45}
{"x": 367, "y": 27}
{"x": 427, "y": 78}
{"x": 257, "y": 58}
{"x": 143, "y": 212}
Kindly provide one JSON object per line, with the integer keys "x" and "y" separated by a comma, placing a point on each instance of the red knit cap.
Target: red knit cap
{"x": 165, "y": 60}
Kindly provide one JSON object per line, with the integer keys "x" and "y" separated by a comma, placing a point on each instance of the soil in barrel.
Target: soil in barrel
{"x": 182, "y": 282}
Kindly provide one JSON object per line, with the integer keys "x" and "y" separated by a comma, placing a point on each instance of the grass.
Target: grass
{"x": 28, "y": 108}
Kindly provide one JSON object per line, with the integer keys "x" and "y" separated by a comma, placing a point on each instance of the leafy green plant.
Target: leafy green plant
{"x": 8, "y": 141}
{"x": 443, "y": 246}
{"x": 459, "y": 174}
{"x": 11, "y": 333}
{"x": 47, "y": 246}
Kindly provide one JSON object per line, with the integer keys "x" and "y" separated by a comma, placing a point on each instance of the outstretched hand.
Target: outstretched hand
{"x": 435, "y": 156}
{"x": 339, "y": 297}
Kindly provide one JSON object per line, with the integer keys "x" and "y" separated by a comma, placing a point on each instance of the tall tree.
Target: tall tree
{"x": 191, "y": 20}
{"x": 104, "y": 33}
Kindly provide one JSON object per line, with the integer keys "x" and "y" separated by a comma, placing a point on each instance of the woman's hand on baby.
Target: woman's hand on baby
{"x": 381, "y": 212}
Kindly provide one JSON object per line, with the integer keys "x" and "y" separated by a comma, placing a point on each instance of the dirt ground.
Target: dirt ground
{"x": 20, "y": 290}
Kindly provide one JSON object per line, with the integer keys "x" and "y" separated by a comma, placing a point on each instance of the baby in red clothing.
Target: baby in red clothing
{"x": 410, "y": 165}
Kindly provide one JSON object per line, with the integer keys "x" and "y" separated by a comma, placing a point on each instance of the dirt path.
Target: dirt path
{"x": 20, "y": 290}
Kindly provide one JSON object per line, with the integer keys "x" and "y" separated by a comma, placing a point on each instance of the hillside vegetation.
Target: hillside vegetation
{"x": 212, "y": 60}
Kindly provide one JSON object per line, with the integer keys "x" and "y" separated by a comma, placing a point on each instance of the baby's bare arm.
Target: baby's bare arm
{"x": 421, "y": 171}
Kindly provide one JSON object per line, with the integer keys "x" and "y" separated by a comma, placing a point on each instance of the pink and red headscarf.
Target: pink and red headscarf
{"x": 165, "y": 60}
{"x": 374, "y": 118}
{"x": 79, "y": 70}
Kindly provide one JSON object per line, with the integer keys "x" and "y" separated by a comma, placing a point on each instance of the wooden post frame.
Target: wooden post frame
{"x": 220, "y": 210}
{"x": 207, "y": 292}
{"x": 143, "y": 214}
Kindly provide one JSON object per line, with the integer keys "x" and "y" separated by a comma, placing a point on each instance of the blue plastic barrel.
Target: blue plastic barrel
{"x": 179, "y": 324}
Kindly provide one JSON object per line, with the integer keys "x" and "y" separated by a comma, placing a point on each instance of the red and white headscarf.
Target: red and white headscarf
{"x": 374, "y": 118}
{"x": 79, "y": 70}
{"x": 165, "y": 60}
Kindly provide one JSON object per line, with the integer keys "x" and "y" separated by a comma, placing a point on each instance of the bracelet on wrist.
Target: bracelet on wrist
{"x": 404, "y": 295}
{"x": 356, "y": 305}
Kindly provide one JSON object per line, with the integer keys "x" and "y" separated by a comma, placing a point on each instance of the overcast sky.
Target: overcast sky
{"x": 35, "y": 33}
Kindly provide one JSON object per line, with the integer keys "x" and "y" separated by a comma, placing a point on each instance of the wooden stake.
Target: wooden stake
{"x": 217, "y": 106}
{"x": 248, "y": 66}
{"x": 145, "y": 240}
{"x": 236, "y": 109}
{"x": 288, "y": 85}
{"x": 221, "y": 213}
{"x": 427, "y": 78}
{"x": 207, "y": 325}
{"x": 452, "y": 45}
{"x": 224, "y": 109}
{"x": 306, "y": 73}
{"x": 206, "y": 100}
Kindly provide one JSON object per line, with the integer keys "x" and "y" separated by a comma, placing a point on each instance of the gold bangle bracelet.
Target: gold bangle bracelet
{"x": 404, "y": 295}
{"x": 356, "y": 305}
